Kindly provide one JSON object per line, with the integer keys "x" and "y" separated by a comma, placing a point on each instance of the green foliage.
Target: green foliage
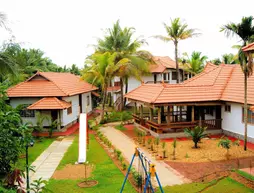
{"x": 187, "y": 155}
{"x": 120, "y": 127}
{"x": 163, "y": 145}
{"x": 149, "y": 141}
{"x": 245, "y": 174}
{"x": 197, "y": 133}
{"x": 174, "y": 148}
{"x": 193, "y": 64}
{"x": 124, "y": 166}
{"x": 38, "y": 186}
{"x": 13, "y": 135}
{"x": 3, "y": 190}
{"x": 226, "y": 144}
{"x": 115, "y": 116}
{"x": 137, "y": 177}
{"x": 40, "y": 118}
{"x": 118, "y": 153}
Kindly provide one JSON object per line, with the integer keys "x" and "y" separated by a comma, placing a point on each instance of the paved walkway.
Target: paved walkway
{"x": 167, "y": 175}
{"x": 46, "y": 164}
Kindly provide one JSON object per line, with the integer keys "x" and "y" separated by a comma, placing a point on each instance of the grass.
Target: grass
{"x": 106, "y": 173}
{"x": 35, "y": 151}
{"x": 224, "y": 186}
{"x": 245, "y": 174}
{"x": 228, "y": 185}
{"x": 120, "y": 127}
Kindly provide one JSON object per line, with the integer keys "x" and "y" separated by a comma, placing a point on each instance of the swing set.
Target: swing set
{"x": 146, "y": 172}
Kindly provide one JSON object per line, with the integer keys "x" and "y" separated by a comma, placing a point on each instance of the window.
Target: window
{"x": 155, "y": 78}
{"x": 228, "y": 108}
{"x": 26, "y": 112}
{"x": 87, "y": 100}
{"x": 173, "y": 75}
{"x": 69, "y": 110}
{"x": 250, "y": 115}
{"x": 164, "y": 76}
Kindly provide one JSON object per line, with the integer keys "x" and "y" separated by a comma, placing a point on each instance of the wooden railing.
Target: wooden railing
{"x": 153, "y": 125}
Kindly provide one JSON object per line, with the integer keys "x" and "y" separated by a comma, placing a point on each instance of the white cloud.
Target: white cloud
{"x": 64, "y": 29}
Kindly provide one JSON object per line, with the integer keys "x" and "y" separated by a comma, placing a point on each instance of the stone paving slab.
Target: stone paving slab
{"x": 46, "y": 164}
{"x": 167, "y": 175}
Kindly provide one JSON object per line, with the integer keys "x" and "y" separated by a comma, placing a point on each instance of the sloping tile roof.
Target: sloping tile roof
{"x": 223, "y": 82}
{"x": 44, "y": 84}
{"x": 161, "y": 64}
{"x": 49, "y": 103}
{"x": 249, "y": 47}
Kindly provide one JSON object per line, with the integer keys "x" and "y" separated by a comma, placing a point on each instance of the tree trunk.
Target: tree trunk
{"x": 176, "y": 59}
{"x": 196, "y": 144}
{"x": 121, "y": 85}
{"x": 245, "y": 108}
{"x": 103, "y": 104}
{"x": 126, "y": 89}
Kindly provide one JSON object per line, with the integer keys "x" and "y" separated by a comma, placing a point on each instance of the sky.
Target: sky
{"x": 66, "y": 29}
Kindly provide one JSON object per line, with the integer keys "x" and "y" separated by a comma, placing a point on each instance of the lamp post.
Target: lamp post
{"x": 31, "y": 144}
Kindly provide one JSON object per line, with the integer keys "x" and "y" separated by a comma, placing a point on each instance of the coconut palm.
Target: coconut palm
{"x": 193, "y": 64}
{"x": 245, "y": 31}
{"x": 177, "y": 31}
{"x": 103, "y": 67}
{"x": 230, "y": 59}
{"x": 120, "y": 41}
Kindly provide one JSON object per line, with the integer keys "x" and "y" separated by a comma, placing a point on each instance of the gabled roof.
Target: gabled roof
{"x": 46, "y": 84}
{"x": 249, "y": 47}
{"x": 49, "y": 103}
{"x": 223, "y": 82}
{"x": 161, "y": 64}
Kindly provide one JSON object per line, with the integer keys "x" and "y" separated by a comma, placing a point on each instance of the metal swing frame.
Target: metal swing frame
{"x": 151, "y": 173}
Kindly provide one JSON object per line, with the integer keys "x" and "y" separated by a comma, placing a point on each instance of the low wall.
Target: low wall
{"x": 238, "y": 136}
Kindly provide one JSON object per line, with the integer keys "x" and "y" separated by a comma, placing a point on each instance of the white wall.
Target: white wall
{"x": 232, "y": 121}
{"x": 66, "y": 119}
{"x": 14, "y": 102}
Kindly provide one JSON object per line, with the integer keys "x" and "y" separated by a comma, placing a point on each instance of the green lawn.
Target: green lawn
{"x": 224, "y": 186}
{"x": 106, "y": 173}
{"x": 246, "y": 175}
{"x": 35, "y": 151}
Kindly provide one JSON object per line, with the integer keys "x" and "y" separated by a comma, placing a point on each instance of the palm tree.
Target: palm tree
{"x": 245, "y": 31}
{"x": 230, "y": 59}
{"x": 175, "y": 32}
{"x": 193, "y": 64}
{"x": 103, "y": 68}
{"x": 120, "y": 41}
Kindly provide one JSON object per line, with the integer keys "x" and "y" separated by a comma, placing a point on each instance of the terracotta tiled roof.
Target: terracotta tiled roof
{"x": 252, "y": 108}
{"x": 249, "y": 47}
{"x": 44, "y": 84}
{"x": 223, "y": 82}
{"x": 49, "y": 103}
{"x": 161, "y": 64}
{"x": 96, "y": 94}
{"x": 113, "y": 88}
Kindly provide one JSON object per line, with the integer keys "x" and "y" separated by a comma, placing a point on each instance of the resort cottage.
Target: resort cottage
{"x": 213, "y": 98}
{"x": 61, "y": 96}
{"x": 162, "y": 70}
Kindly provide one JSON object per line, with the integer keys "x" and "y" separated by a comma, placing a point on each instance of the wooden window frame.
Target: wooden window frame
{"x": 87, "y": 100}
{"x": 26, "y": 113}
{"x": 228, "y": 108}
{"x": 250, "y": 115}
{"x": 69, "y": 110}
{"x": 174, "y": 75}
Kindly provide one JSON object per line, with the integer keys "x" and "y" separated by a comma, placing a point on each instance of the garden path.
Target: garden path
{"x": 167, "y": 175}
{"x": 46, "y": 164}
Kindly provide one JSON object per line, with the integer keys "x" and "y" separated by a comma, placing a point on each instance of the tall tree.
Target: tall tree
{"x": 120, "y": 41}
{"x": 193, "y": 64}
{"x": 245, "y": 31}
{"x": 177, "y": 31}
{"x": 229, "y": 59}
{"x": 101, "y": 71}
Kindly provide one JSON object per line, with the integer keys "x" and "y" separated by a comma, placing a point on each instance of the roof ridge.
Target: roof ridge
{"x": 158, "y": 94}
{"x": 228, "y": 79}
{"x": 54, "y": 84}
{"x": 58, "y": 101}
{"x": 198, "y": 75}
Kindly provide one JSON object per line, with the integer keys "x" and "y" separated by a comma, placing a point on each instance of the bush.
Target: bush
{"x": 124, "y": 166}
{"x": 118, "y": 153}
{"x": 120, "y": 127}
{"x": 174, "y": 148}
{"x": 196, "y": 134}
{"x": 137, "y": 177}
{"x": 115, "y": 116}
{"x": 226, "y": 144}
